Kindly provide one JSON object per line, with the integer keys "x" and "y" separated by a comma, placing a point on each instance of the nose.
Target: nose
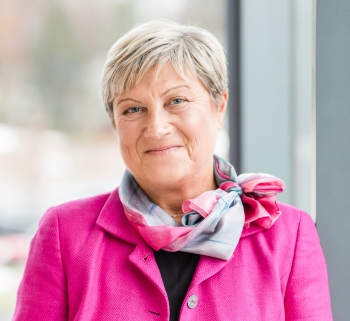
{"x": 157, "y": 125}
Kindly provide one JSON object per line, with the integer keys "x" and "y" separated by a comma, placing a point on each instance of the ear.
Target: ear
{"x": 222, "y": 108}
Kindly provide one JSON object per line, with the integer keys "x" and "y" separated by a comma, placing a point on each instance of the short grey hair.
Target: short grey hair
{"x": 190, "y": 50}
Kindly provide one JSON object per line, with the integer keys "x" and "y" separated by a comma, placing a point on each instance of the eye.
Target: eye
{"x": 132, "y": 110}
{"x": 177, "y": 101}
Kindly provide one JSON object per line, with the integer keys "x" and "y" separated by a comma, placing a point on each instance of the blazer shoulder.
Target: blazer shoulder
{"x": 91, "y": 203}
{"x": 287, "y": 225}
{"x": 292, "y": 222}
{"x": 78, "y": 213}
{"x": 292, "y": 215}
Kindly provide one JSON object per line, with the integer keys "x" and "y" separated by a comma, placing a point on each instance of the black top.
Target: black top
{"x": 177, "y": 269}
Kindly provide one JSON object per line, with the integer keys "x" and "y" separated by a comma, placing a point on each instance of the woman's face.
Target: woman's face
{"x": 167, "y": 128}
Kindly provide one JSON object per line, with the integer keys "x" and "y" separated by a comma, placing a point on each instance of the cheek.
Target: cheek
{"x": 201, "y": 132}
{"x": 127, "y": 136}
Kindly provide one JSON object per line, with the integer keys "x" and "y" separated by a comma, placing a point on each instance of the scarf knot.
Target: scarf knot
{"x": 230, "y": 186}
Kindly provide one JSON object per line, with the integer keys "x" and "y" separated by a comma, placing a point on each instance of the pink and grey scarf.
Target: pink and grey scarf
{"x": 213, "y": 221}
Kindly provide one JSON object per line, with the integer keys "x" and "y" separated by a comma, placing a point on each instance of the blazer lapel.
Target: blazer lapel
{"x": 113, "y": 220}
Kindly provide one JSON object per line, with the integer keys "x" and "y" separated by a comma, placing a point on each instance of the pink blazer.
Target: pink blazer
{"x": 87, "y": 262}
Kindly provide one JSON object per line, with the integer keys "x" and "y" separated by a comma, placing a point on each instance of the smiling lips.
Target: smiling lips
{"x": 162, "y": 149}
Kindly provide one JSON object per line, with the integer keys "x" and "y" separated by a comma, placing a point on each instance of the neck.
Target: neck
{"x": 171, "y": 196}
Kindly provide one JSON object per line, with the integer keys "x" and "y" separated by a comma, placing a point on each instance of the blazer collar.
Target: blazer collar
{"x": 113, "y": 219}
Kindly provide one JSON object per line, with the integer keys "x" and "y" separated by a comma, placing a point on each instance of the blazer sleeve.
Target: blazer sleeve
{"x": 307, "y": 293}
{"x": 42, "y": 294}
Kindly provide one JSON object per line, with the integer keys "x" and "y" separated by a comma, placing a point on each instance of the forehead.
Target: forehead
{"x": 166, "y": 75}
{"x": 163, "y": 79}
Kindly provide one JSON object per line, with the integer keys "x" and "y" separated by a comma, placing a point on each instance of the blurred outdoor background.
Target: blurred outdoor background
{"x": 56, "y": 140}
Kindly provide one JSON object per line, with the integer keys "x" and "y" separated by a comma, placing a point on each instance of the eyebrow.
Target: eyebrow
{"x": 165, "y": 92}
{"x": 125, "y": 99}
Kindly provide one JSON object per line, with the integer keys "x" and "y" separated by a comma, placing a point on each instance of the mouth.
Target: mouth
{"x": 162, "y": 149}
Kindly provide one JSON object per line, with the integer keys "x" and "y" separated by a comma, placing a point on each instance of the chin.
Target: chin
{"x": 166, "y": 176}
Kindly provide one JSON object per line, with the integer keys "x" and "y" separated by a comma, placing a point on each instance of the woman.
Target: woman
{"x": 182, "y": 238}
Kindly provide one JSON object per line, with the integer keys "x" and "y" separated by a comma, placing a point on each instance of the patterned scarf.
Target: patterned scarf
{"x": 213, "y": 221}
